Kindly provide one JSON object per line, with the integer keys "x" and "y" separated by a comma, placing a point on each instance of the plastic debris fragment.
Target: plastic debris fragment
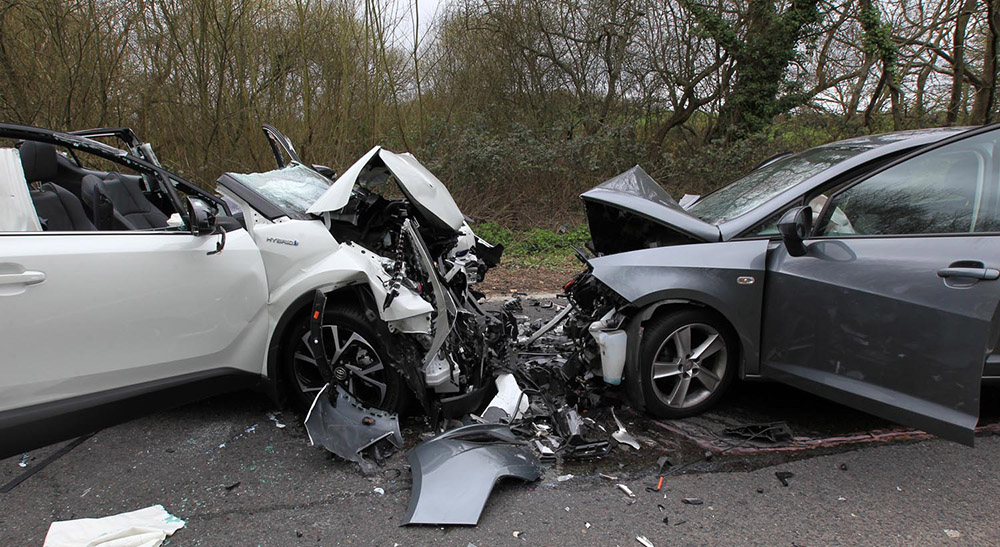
{"x": 350, "y": 430}
{"x": 622, "y": 436}
{"x": 627, "y": 490}
{"x": 783, "y": 476}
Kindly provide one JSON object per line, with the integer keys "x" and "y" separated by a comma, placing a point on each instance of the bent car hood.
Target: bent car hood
{"x": 636, "y": 194}
{"x": 421, "y": 187}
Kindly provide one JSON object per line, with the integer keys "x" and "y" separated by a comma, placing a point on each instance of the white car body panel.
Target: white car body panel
{"x": 118, "y": 309}
{"x": 423, "y": 189}
{"x": 339, "y": 194}
{"x": 301, "y": 256}
{"x": 17, "y": 214}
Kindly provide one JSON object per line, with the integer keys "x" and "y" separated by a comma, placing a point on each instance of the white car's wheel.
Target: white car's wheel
{"x": 359, "y": 358}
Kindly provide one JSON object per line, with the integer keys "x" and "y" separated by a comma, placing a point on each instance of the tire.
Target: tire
{"x": 707, "y": 376}
{"x": 362, "y": 355}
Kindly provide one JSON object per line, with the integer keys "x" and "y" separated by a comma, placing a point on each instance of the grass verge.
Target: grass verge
{"x": 536, "y": 247}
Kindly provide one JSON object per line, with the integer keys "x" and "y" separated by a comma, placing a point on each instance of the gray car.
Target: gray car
{"x": 865, "y": 271}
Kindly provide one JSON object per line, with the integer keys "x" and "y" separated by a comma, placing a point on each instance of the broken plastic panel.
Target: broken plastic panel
{"x": 510, "y": 402}
{"x": 454, "y": 473}
{"x": 350, "y": 430}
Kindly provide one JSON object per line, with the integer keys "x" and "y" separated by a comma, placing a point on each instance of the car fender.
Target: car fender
{"x": 726, "y": 277}
{"x": 327, "y": 265}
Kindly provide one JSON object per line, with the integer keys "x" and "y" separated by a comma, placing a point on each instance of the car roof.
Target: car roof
{"x": 882, "y": 139}
{"x": 875, "y": 147}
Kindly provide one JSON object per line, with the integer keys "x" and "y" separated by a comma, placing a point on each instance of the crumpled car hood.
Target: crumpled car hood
{"x": 621, "y": 209}
{"x": 421, "y": 187}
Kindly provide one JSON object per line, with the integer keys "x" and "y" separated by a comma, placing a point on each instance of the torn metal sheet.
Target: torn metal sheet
{"x": 454, "y": 473}
{"x": 350, "y": 430}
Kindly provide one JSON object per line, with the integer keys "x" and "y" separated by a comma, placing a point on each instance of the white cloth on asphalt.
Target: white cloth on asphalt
{"x": 143, "y": 528}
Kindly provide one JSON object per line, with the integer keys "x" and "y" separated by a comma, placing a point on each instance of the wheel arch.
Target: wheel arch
{"x": 651, "y": 308}
{"x": 357, "y": 295}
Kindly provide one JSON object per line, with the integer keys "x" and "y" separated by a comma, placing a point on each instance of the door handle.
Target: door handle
{"x": 23, "y": 278}
{"x": 986, "y": 274}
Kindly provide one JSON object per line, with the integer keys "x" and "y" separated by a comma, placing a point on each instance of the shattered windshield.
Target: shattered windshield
{"x": 293, "y": 188}
{"x": 761, "y": 185}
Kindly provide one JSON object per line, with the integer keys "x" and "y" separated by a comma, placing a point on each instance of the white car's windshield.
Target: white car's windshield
{"x": 762, "y": 184}
{"x": 293, "y": 188}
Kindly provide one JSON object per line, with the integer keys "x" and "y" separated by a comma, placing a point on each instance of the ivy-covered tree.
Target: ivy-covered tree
{"x": 762, "y": 48}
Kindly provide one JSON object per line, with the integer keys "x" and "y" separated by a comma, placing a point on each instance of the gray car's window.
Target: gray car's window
{"x": 761, "y": 185}
{"x": 293, "y": 188}
{"x": 952, "y": 189}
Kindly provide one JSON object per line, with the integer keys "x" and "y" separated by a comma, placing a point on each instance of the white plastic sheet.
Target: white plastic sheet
{"x": 17, "y": 214}
{"x": 143, "y": 528}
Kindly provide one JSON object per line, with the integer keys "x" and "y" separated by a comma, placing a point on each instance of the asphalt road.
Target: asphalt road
{"x": 288, "y": 493}
{"x": 225, "y": 467}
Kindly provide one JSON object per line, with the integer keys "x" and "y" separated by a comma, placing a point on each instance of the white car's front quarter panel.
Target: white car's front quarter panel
{"x": 119, "y": 309}
{"x": 300, "y": 256}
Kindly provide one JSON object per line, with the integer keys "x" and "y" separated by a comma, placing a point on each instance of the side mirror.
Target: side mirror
{"x": 794, "y": 227}
{"x": 201, "y": 217}
{"x": 325, "y": 171}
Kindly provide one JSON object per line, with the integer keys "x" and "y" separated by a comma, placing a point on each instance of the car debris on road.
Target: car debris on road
{"x": 351, "y": 430}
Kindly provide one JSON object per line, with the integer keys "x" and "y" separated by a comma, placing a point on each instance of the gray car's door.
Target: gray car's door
{"x": 894, "y": 307}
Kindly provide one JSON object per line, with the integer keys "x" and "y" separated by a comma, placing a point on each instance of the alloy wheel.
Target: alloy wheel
{"x": 355, "y": 363}
{"x": 689, "y": 365}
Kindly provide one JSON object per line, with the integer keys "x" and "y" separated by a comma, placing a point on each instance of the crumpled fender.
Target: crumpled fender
{"x": 454, "y": 473}
{"x": 302, "y": 256}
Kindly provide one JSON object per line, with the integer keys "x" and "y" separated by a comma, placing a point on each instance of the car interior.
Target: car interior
{"x": 70, "y": 197}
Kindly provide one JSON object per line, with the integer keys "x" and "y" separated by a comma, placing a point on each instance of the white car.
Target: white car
{"x": 125, "y": 288}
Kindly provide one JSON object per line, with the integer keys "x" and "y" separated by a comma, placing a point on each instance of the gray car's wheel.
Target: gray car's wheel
{"x": 687, "y": 360}
{"x": 358, "y": 354}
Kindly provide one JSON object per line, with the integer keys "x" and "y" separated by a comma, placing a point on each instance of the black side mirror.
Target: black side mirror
{"x": 794, "y": 227}
{"x": 201, "y": 217}
{"x": 325, "y": 171}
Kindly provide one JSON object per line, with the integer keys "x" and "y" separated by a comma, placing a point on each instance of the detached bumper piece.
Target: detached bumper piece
{"x": 351, "y": 430}
{"x": 454, "y": 473}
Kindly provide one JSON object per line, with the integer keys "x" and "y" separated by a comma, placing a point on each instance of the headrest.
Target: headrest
{"x": 38, "y": 159}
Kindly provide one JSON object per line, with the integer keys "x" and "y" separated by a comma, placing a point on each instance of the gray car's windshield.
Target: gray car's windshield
{"x": 293, "y": 188}
{"x": 762, "y": 184}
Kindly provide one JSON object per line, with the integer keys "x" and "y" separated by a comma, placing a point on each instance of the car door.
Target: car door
{"x": 894, "y": 306}
{"x": 88, "y": 318}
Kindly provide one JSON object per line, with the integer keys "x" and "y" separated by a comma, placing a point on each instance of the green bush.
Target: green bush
{"x": 535, "y": 247}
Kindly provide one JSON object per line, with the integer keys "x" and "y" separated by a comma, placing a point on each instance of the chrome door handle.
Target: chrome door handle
{"x": 23, "y": 278}
{"x": 986, "y": 274}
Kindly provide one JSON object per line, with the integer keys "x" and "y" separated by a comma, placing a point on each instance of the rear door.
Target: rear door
{"x": 894, "y": 307}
